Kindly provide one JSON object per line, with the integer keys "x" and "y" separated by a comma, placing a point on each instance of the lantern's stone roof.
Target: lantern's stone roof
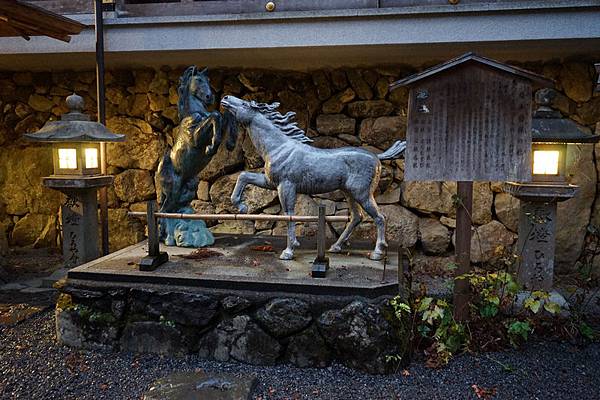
{"x": 74, "y": 126}
{"x": 74, "y": 131}
{"x": 549, "y": 126}
{"x": 471, "y": 57}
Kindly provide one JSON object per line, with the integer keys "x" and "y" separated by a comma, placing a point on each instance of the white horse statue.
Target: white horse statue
{"x": 292, "y": 166}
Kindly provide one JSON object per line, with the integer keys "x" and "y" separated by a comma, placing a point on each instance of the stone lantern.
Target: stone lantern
{"x": 77, "y": 173}
{"x": 538, "y": 199}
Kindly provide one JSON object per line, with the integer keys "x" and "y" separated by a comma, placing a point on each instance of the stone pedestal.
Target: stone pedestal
{"x": 537, "y": 227}
{"x": 79, "y": 216}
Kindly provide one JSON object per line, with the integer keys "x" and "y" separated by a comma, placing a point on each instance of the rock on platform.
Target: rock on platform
{"x": 201, "y": 386}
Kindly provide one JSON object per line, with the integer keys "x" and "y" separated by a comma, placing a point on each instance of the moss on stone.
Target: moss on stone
{"x": 64, "y": 302}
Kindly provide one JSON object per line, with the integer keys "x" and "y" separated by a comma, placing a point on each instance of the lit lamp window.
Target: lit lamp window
{"x": 91, "y": 157}
{"x": 545, "y": 162}
{"x": 549, "y": 162}
{"x": 67, "y": 158}
{"x": 76, "y": 159}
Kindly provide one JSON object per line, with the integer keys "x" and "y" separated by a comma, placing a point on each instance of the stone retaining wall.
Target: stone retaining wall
{"x": 258, "y": 329}
{"x": 340, "y": 107}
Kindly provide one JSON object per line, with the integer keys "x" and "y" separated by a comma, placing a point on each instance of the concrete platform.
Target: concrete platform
{"x": 239, "y": 267}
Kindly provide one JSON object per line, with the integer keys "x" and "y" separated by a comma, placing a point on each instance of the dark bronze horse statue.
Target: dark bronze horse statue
{"x": 197, "y": 139}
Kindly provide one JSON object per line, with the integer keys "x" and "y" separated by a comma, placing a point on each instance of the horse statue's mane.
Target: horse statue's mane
{"x": 285, "y": 123}
{"x": 183, "y": 90}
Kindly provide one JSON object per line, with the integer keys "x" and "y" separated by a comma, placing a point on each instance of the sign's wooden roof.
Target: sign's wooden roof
{"x": 536, "y": 79}
{"x": 17, "y": 18}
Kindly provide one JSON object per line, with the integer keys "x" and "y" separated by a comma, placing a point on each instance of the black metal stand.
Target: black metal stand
{"x": 100, "y": 99}
{"x": 321, "y": 263}
{"x": 155, "y": 257}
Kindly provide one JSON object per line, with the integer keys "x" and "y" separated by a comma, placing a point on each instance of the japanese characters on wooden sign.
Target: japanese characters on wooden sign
{"x": 469, "y": 121}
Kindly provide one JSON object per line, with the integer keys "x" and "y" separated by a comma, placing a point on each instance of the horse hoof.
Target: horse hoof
{"x": 243, "y": 209}
{"x": 335, "y": 248}
{"x": 286, "y": 255}
{"x": 376, "y": 255}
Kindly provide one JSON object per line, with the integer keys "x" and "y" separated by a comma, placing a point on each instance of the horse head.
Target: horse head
{"x": 194, "y": 91}
{"x": 236, "y": 113}
{"x": 244, "y": 112}
{"x": 240, "y": 109}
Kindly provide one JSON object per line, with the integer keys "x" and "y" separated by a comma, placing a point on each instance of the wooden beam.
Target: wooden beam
{"x": 29, "y": 20}
{"x": 35, "y": 31}
{"x": 463, "y": 249}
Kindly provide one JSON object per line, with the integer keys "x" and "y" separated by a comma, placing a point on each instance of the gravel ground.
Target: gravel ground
{"x": 33, "y": 366}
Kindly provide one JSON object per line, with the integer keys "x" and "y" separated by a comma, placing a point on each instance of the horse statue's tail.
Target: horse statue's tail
{"x": 395, "y": 151}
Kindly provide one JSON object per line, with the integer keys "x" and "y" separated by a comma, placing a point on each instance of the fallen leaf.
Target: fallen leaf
{"x": 264, "y": 248}
{"x": 405, "y": 372}
{"x": 199, "y": 254}
{"x": 75, "y": 363}
{"x": 483, "y": 393}
{"x": 103, "y": 386}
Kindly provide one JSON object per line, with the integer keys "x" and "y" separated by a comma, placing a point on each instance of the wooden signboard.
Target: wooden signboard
{"x": 469, "y": 123}
{"x": 469, "y": 119}
{"x": 472, "y": 124}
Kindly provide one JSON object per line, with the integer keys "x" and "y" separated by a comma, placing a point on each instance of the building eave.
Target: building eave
{"x": 305, "y": 40}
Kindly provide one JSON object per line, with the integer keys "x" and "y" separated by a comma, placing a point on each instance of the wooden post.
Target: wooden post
{"x": 404, "y": 274}
{"x": 463, "y": 248}
{"x": 321, "y": 263}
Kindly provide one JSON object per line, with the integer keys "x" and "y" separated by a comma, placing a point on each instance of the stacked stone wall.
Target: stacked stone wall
{"x": 341, "y": 107}
{"x": 254, "y": 328}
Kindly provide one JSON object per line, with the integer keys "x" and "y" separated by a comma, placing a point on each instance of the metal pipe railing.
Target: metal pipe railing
{"x": 155, "y": 257}
{"x": 243, "y": 217}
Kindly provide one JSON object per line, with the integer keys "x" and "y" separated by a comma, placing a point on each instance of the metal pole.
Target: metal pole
{"x": 321, "y": 233}
{"x": 463, "y": 249}
{"x": 242, "y": 217}
{"x": 153, "y": 242}
{"x": 321, "y": 263}
{"x": 100, "y": 99}
{"x": 155, "y": 257}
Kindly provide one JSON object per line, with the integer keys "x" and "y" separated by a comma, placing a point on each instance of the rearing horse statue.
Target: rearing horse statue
{"x": 292, "y": 166}
{"x": 197, "y": 140}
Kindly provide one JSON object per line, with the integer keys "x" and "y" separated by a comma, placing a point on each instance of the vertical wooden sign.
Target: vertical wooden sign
{"x": 469, "y": 119}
